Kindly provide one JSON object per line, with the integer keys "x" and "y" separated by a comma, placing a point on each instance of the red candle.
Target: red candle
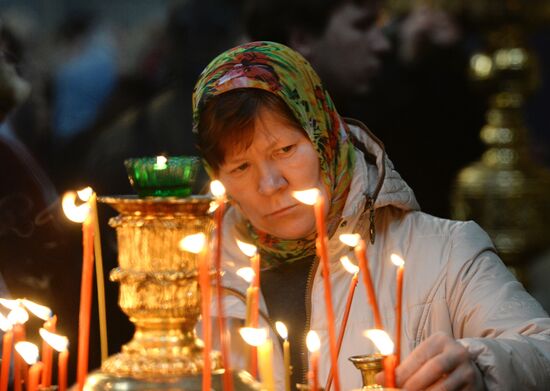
{"x": 7, "y": 342}
{"x": 47, "y": 353}
{"x": 18, "y": 367}
{"x": 228, "y": 384}
{"x": 255, "y": 312}
{"x": 352, "y": 286}
{"x": 204, "y": 282}
{"x": 361, "y": 254}
{"x": 399, "y": 304}
{"x": 313, "y": 344}
{"x": 34, "y": 376}
{"x": 62, "y": 363}
{"x": 319, "y": 208}
{"x": 85, "y": 302}
{"x": 389, "y": 364}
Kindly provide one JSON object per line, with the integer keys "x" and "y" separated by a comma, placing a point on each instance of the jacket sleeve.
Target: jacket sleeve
{"x": 505, "y": 330}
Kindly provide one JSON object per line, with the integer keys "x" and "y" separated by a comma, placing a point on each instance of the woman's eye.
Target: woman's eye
{"x": 286, "y": 150}
{"x": 240, "y": 168}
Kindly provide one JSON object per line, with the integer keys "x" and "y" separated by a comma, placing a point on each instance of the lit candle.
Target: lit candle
{"x": 360, "y": 249}
{"x": 283, "y": 332}
{"x": 197, "y": 244}
{"x": 400, "y": 263}
{"x": 353, "y": 269}
{"x": 313, "y": 344}
{"x": 60, "y": 344}
{"x": 7, "y": 341}
{"x": 218, "y": 191}
{"x": 314, "y": 197}
{"x": 247, "y": 274}
{"x": 81, "y": 214}
{"x": 50, "y": 323}
{"x": 257, "y": 338}
{"x": 18, "y": 316}
{"x": 385, "y": 345}
{"x": 29, "y": 352}
{"x": 251, "y": 251}
{"x": 99, "y": 280}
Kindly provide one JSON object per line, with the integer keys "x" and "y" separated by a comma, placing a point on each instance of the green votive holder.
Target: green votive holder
{"x": 163, "y": 176}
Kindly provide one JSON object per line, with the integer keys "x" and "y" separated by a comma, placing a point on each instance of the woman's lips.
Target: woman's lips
{"x": 280, "y": 212}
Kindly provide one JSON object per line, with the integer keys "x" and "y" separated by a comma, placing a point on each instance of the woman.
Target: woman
{"x": 267, "y": 127}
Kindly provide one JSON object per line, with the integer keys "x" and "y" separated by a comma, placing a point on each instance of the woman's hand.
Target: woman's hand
{"x": 438, "y": 363}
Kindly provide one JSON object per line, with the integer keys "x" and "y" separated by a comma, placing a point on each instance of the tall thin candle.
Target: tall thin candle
{"x": 350, "y": 267}
{"x": 62, "y": 364}
{"x": 251, "y": 251}
{"x": 7, "y": 342}
{"x": 18, "y": 316}
{"x": 81, "y": 214}
{"x": 314, "y": 196}
{"x": 313, "y": 345}
{"x": 283, "y": 332}
{"x": 59, "y": 343}
{"x": 196, "y": 244}
{"x": 386, "y": 346}
{"x": 47, "y": 353}
{"x": 29, "y": 352}
{"x": 218, "y": 190}
{"x": 361, "y": 253}
{"x": 400, "y": 263}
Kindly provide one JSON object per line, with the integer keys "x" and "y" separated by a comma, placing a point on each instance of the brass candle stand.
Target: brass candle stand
{"x": 369, "y": 365}
{"x": 506, "y": 192}
{"x": 160, "y": 293}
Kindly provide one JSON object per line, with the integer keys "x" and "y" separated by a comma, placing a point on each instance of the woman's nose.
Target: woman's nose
{"x": 271, "y": 180}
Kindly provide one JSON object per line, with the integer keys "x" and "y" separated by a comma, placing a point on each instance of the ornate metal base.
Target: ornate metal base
{"x": 101, "y": 381}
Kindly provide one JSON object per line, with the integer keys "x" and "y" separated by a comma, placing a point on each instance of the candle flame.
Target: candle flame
{"x": 351, "y": 240}
{"x": 56, "y": 341}
{"x": 253, "y": 336}
{"x": 161, "y": 163}
{"x": 193, "y": 243}
{"x": 397, "y": 260}
{"x": 40, "y": 311}
{"x": 85, "y": 194}
{"x": 313, "y": 342}
{"x": 246, "y": 273}
{"x": 10, "y": 304}
{"x": 217, "y": 188}
{"x": 5, "y": 324}
{"x": 73, "y": 212}
{"x": 381, "y": 340}
{"x": 248, "y": 249}
{"x": 308, "y": 197}
{"x": 28, "y": 351}
{"x": 213, "y": 206}
{"x": 348, "y": 265}
{"x": 281, "y": 329}
{"x": 18, "y": 315}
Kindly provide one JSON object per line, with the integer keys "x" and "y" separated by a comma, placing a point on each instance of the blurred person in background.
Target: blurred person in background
{"x": 404, "y": 76}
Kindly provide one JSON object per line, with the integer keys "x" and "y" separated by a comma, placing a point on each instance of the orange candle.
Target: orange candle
{"x": 361, "y": 254}
{"x": 7, "y": 342}
{"x": 389, "y": 363}
{"x": 352, "y": 286}
{"x": 18, "y": 367}
{"x": 47, "y": 353}
{"x": 34, "y": 376}
{"x": 85, "y": 302}
{"x": 204, "y": 282}
{"x": 399, "y": 304}
{"x": 322, "y": 248}
{"x": 62, "y": 363}
{"x": 313, "y": 344}
{"x": 218, "y": 190}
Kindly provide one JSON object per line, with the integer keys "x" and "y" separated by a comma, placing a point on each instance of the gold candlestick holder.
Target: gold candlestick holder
{"x": 159, "y": 291}
{"x": 369, "y": 365}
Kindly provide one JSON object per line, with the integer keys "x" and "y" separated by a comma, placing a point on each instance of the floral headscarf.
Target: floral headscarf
{"x": 280, "y": 70}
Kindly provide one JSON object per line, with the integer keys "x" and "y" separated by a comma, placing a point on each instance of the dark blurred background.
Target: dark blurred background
{"x": 98, "y": 82}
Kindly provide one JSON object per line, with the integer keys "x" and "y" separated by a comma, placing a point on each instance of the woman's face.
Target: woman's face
{"x": 261, "y": 179}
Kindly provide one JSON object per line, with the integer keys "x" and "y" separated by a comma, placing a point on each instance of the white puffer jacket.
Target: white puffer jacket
{"x": 454, "y": 282}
